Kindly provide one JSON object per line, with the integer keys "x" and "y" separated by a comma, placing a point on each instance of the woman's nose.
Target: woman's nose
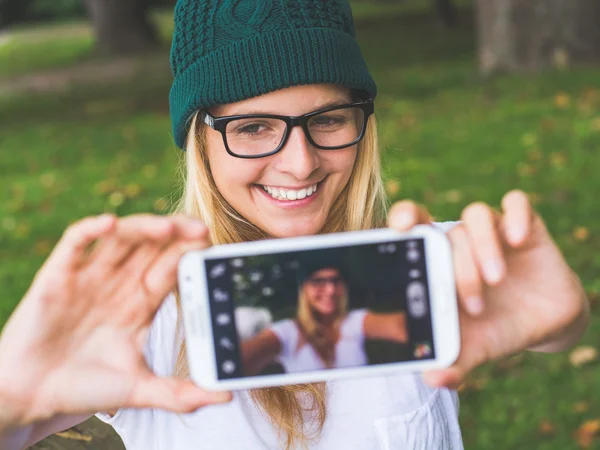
{"x": 298, "y": 157}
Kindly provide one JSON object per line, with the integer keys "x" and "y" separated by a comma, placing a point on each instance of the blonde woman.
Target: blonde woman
{"x": 260, "y": 103}
{"x": 324, "y": 334}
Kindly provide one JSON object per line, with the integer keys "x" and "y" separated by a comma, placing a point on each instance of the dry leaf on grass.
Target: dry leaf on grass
{"x": 74, "y": 435}
{"x": 581, "y": 407}
{"x": 583, "y": 355}
{"x": 546, "y": 427}
{"x": 581, "y": 234}
{"x": 392, "y": 187}
{"x": 586, "y": 432}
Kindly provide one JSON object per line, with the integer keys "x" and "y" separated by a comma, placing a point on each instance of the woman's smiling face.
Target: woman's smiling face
{"x": 311, "y": 179}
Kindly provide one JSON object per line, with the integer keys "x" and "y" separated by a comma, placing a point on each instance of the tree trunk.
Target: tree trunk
{"x": 446, "y": 12}
{"x": 122, "y": 27}
{"x": 529, "y": 35}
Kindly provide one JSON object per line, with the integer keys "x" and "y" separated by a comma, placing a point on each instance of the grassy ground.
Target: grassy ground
{"x": 449, "y": 138}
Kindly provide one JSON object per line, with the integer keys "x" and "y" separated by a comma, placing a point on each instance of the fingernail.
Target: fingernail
{"x": 474, "y": 305}
{"x": 515, "y": 234}
{"x": 199, "y": 225}
{"x": 403, "y": 220}
{"x": 493, "y": 271}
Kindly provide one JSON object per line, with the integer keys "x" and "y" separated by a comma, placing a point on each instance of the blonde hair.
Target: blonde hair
{"x": 297, "y": 412}
{"x": 314, "y": 331}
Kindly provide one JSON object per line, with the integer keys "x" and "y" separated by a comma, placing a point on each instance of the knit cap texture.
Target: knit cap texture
{"x": 226, "y": 51}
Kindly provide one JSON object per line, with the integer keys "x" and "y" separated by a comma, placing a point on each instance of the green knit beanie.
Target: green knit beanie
{"x": 226, "y": 51}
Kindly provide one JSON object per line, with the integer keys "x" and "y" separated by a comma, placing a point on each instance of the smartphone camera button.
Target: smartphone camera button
{"x": 228, "y": 367}
{"x": 417, "y": 300}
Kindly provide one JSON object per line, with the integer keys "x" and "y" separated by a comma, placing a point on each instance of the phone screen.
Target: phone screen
{"x": 319, "y": 309}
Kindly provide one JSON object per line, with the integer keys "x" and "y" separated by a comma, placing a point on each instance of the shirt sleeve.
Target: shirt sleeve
{"x": 287, "y": 333}
{"x": 354, "y": 325}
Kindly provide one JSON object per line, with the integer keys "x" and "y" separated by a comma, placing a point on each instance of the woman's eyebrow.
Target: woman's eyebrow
{"x": 245, "y": 111}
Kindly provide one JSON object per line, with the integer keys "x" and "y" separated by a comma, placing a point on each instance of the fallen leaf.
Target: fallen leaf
{"x": 535, "y": 198}
{"x": 562, "y": 100}
{"x": 525, "y": 170}
{"x": 116, "y": 199}
{"x": 43, "y": 247}
{"x": 583, "y": 355}
{"x": 534, "y": 154}
{"x": 105, "y": 186}
{"x": 74, "y": 435}
{"x": 586, "y": 432}
{"x": 581, "y": 407}
{"x": 558, "y": 160}
{"x": 529, "y": 139}
{"x": 546, "y": 427}
{"x": 149, "y": 170}
{"x": 47, "y": 180}
{"x": 581, "y": 234}
{"x": 392, "y": 187}
{"x": 22, "y": 230}
{"x": 453, "y": 196}
{"x": 132, "y": 190}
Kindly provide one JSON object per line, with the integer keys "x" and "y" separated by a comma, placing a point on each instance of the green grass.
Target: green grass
{"x": 449, "y": 138}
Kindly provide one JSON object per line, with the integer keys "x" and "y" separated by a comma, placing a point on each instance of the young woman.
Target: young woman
{"x": 259, "y": 103}
{"x": 324, "y": 334}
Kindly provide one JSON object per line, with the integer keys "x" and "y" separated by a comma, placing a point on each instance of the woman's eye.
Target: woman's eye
{"x": 326, "y": 121}
{"x": 251, "y": 128}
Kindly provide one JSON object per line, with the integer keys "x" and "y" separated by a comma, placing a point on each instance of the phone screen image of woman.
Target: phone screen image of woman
{"x": 319, "y": 309}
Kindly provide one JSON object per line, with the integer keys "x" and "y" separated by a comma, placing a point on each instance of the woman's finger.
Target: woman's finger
{"x": 406, "y": 214}
{"x": 518, "y": 217}
{"x": 468, "y": 280}
{"x": 71, "y": 249}
{"x": 129, "y": 233}
{"x": 173, "y": 394}
{"x": 189, "y": 228}
{"x": 160, "y": 277}
{"x": 480, "y": 221}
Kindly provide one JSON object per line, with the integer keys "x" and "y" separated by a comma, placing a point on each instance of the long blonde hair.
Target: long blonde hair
{"x": 297, "y": 412}
{"x": 315, "y": 332}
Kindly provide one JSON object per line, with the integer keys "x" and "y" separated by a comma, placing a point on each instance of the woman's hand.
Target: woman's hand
{"x": 74, "y": 344}
{"x": 515, "y": 289}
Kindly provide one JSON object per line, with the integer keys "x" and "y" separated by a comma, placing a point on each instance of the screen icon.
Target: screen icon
{"x": 220, "y": 296}
{"x": 226, "y": 343}
{"x": 413, "y": 255}
{"x": 422, "y": 350}
{"x": 417, "y": 302}
{"x": 223, "y": 319}
{"x": 217, "y": 271}
{"x": 414, "y": 273}
{"x": 228, "y": 367}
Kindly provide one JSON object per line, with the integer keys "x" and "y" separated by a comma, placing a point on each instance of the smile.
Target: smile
{"x": 290, "y": 194}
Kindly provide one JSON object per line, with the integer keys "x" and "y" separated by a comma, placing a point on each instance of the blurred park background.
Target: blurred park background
{"x": 476, "y": 98}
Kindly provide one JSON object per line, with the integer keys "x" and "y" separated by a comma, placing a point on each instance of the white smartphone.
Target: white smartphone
{"x": 306, "y": 309}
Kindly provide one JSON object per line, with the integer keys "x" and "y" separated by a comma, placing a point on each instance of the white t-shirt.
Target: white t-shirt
{"x": 349, "y": 349}
{"x": 396, "y": 412}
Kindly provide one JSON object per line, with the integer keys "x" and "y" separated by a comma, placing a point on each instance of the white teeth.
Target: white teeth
{"x": 289, "y": 194}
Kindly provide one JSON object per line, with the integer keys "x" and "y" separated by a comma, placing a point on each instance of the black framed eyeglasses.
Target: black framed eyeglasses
{"x": 258, "y": 135}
